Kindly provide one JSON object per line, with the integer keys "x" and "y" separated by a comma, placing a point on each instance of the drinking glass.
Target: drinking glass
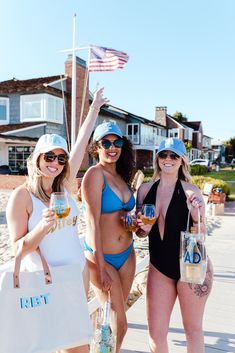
{"x": 59, "y": 204}
{"x": 148, "y": 215}
{"x": 130, "y": 221}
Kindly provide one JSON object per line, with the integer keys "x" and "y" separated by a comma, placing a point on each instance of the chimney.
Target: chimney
{"x": 160, "y": 115}
{"x": 80, "y": 80}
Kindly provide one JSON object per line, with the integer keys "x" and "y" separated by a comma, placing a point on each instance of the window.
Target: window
{"x": 17, "y": 156}
{"x": 174, "y": 132}
{"x": 4, "y": 110}
{"x": 41, "y": 107}
{"x": 133, "y": 132}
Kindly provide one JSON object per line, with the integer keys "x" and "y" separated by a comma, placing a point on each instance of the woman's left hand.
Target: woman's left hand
{"x": 99, "y": 100}
{"x": 195, "y": 203}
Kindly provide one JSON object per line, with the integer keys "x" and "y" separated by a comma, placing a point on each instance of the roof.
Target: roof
{"x": 12, "y": 127}
{"x": 29, "y": 86}
{"x": 123, "y": 114}
{"x": 195, "y": 125}
{"x": 17, "y": 139}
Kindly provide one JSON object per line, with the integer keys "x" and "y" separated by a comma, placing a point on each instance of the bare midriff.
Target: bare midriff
{"x": 114, "y": 236}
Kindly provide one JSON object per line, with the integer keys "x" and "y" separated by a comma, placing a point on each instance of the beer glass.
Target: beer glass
{"x": 130, "y": 222}
{"x": 59, "y": 204}
{"x": 148, "y": 215}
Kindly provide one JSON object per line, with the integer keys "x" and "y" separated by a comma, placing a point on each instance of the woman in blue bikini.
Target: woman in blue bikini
{"x": 107, "y": 195}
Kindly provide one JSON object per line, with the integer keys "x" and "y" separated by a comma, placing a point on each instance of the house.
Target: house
{"x": 33, "y": 107}
{"x": 219, "y": 150}
{"x": 189, "y": 131}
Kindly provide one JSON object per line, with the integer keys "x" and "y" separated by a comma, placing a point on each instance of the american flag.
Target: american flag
{"x": 106, "y": 59}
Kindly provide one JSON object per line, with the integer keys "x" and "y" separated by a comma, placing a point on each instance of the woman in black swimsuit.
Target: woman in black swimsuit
{"x": 172, "y": 194}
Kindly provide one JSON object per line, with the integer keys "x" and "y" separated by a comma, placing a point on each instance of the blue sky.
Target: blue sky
{"x": 181, "y": 52}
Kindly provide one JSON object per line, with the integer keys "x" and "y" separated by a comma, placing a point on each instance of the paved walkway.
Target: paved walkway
{"x": 219, "y": 319}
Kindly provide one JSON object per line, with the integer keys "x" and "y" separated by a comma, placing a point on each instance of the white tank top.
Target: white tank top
{"x": 61, "y": 246}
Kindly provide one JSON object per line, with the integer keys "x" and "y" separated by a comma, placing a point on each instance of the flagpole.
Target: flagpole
{"x": 84, "y": 88}
{"x": 73, "y": 100}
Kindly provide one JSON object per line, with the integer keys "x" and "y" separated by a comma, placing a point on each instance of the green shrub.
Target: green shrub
{"x": 148, "y": 173}
{"x": 200, "y": 181}
{"x": 198, "y": 170}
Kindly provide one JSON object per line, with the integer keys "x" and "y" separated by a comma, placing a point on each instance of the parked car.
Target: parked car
{"x": 199, "y": 161}
{"x": 5, "y": 169}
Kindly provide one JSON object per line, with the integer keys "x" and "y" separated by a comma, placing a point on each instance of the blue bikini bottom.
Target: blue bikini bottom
{"x": 116, "y": 260}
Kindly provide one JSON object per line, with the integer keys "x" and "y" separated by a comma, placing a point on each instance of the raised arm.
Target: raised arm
{"x": 79, "y": 148}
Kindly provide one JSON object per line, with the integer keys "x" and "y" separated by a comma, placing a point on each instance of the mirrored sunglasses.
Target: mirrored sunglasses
{"x": 106, "y": 144}
{"x": 51, "y": 156}
{"x": 171, "y": 155}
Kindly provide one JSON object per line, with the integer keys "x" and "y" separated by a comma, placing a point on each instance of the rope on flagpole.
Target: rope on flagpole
{"x": 84, "y": 88}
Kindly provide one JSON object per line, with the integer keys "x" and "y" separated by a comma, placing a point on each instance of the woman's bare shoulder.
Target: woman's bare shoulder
{"x": 144, "y": 189}
{"x": 93, "y": 172}
{"x": 93, "y": 177}
{"x": 20, "y": 196}
{"x": 190, "y": 187}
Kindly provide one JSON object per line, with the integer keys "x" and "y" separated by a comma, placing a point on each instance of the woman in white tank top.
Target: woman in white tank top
{"x": 52, "y": 169}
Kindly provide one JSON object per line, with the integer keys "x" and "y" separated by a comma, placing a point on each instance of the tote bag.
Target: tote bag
{"x": 193, "y": 257}
{"x": 43, "y": 311}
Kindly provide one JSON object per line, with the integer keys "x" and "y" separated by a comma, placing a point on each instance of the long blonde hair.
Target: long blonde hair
{"x": 183, "y": 173}
{"x": 34, "y": 179}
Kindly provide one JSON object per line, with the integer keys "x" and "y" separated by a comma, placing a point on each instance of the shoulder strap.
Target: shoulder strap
{"x": 151, "y": 195}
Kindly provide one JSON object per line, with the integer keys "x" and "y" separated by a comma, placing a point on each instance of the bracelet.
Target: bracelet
{"x": 141, "y": 233}
{"x": 196, "y": 222}
{"x": 95, "y": 109}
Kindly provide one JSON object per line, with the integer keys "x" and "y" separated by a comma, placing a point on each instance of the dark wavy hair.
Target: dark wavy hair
{"x": 126, "y": 162}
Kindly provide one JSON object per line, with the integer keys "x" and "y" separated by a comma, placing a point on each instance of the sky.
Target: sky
{"x": 181, "y": 52}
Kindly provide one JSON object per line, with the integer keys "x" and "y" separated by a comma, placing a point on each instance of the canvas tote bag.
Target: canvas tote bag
{"x": 193, "y": 256}
{"x": 43, "y": 311}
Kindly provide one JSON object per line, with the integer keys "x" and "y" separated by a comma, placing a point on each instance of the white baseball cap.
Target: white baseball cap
{"x": 49, "y": 142}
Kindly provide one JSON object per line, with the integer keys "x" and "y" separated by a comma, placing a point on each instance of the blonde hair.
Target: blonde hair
{"x": 34, "y": 180}
{"x": 183, "y": 173}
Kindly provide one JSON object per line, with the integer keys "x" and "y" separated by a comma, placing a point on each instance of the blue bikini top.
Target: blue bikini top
{"x": 110, "y": 202}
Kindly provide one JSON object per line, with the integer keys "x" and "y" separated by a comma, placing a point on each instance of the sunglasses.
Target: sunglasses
{"x": 106, "y": 144}
{"x": 51, "y": 156}
{"x": 172, "y": 155}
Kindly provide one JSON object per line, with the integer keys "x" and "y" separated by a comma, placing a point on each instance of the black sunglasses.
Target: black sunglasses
{"x": 51, "y": 156}
{"x": 106, "y": 144}
{"x": 164, "y": 155}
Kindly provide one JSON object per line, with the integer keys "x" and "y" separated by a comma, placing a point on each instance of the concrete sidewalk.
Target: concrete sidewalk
{"x": 219, "y": 318}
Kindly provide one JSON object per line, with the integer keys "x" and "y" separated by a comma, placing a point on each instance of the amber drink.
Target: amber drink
{"x": 60, "y": 205}
{"x": 130, "y": 222}
{"x": 148, "y": 215}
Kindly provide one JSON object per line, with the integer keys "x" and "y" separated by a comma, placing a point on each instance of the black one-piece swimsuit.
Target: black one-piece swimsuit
{"x": 164, "y": 253}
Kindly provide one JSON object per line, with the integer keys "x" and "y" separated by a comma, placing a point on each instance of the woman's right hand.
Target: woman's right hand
{"x": 105, "y": 280}
{"x": 143, "y": 229}
{"x": 48, "y": 220}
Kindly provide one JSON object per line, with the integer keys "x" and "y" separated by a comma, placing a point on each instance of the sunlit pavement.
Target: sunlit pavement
{"x": 219, "y": 318}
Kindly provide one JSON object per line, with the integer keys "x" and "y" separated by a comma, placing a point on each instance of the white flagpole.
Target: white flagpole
{"x": 73, "y": 103}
